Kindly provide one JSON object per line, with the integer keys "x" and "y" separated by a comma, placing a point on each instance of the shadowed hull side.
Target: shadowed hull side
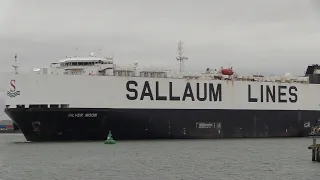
{"x": 67, "y": 124}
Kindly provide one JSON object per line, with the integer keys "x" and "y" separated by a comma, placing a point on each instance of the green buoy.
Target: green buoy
{"x": 109, "y": 139}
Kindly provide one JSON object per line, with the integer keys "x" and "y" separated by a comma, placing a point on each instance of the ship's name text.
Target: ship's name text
{"x": 80, "y": 115}
{"x": 281, "y": 94}
{"x": 209, "y": 91}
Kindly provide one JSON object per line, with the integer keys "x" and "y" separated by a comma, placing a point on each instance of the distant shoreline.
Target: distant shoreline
{"x": 10, "y": 132}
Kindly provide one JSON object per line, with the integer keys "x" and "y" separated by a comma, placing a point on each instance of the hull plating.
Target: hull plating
{"x": 94, "y": 124}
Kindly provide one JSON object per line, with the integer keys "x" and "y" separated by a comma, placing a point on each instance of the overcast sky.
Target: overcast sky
{"x": 269, "y": 36}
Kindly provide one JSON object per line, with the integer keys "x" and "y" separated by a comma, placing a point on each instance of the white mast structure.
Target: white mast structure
{"x": 180, "y": 56}
{"x": 15, "y": 65}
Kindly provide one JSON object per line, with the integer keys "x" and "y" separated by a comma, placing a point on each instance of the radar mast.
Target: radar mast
{"x": 180, "y": 56}
{"x": 15, "y": 65}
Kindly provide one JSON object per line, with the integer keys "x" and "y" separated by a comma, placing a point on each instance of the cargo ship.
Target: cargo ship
{"x": 83, "y": 98}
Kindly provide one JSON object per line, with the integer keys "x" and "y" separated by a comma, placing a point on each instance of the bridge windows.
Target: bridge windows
{"x": 84, "y": 63}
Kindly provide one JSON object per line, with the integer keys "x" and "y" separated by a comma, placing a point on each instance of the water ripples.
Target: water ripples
{"x": 245, "y": 159}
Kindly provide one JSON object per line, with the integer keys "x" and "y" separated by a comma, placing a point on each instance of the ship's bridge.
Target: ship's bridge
{"x": 81, "y": 61}
{"x": 82, "y": 65}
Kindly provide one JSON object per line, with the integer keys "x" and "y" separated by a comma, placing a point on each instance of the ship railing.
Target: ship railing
{"x": 215, "y": 77}
{"x": 210, "y": 76}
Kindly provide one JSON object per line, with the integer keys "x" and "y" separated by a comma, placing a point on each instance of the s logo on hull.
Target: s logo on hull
{"x": 13, "y": 92}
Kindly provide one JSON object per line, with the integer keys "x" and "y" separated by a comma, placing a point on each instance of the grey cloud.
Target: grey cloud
{"x": 127, "y": 16}
{"x": 254, "y": 36}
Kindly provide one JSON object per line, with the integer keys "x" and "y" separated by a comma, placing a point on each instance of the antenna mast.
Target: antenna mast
{"x": 15, "y": 65}
{"x": 77, "y": 49}
{"x": 112, "y": 55}
{"x": 180, "y": 56}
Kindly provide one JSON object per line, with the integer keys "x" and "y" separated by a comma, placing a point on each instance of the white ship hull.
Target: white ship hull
{"x": 55, "y": 107}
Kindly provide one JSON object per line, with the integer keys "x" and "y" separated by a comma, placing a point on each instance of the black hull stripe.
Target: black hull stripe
{"x": 94, "y": 124}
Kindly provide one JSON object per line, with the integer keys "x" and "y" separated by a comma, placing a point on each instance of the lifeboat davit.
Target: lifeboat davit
{"x": 228, "y": 71}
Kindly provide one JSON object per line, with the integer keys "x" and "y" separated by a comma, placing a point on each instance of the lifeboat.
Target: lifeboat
{"x": 227, "y": 71}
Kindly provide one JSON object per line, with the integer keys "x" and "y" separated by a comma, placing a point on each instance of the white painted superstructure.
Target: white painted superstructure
{"x": 93, "y": 82}
{"x": 110, "y": 92}
{"x": 83, "y": 98}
